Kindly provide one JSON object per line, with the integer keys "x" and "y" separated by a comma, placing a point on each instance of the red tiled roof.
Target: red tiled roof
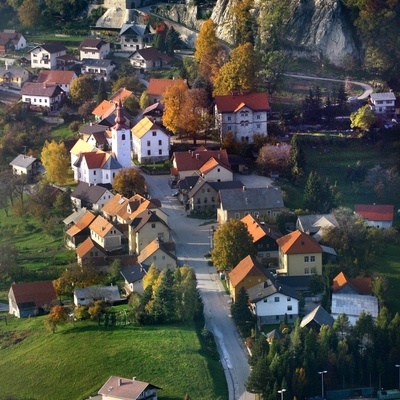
{"x": 157, "y": 86}
{"x": 121, "y": 388}
{"x": 375, "y": 212}
{"x": 95, "y": 160}
{"x": 41, "y": 293}
{"x": 104, "y": 109}
{"x": 298, "y": 242}
{"x": 194, "y": 160}
{"x": 87, "y": 246}
{"x": 55, "y": 77}
{"x": 258, "y": 230}
{"x": 362, "y": 285}
{"x": 40, "y": 89}
{"x": 209, "y": 165}
{"x": 233, "y": 103}
{"x": 249, "y": 266}
{"x": 121, "y": 94}
{"x": 92, "y": 44}
{"x": 83, "y": 223}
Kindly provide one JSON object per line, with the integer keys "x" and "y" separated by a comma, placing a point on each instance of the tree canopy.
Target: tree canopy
{"x": 363, "y": 118}
{"x": 82, "y": 89}
{"x": 232, "y": 243}
{"x": 128, "y": 182}
{"x": 56, "y": 161}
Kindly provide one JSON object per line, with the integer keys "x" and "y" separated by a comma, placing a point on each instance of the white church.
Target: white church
{"x": 95, "y": 166}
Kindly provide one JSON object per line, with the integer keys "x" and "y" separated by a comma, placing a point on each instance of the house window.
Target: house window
{"x": 153, "y": 225}
{"x": 258, "y": 116}
{"x": 258, "y": 126}
{"x": 312, "y": 258}
{"x": 160, "y": 152}
{"x": 276, "y": 299}
{"x": 289, "y": 299}
{"x": 306, "y": 259}
{"x": 154, "y": 257}
{"x": 154, "y": 133}
{"x": 148, "y": 143}
{"x": 218, "y": 169}
{"x": 289, "y": 308}
{"x": 148, "y": 152}
{"x": 277, "y": 317}
{"x": 306, "y": 271}
{"x": 229, "y": 118}
{"x": 160, "y": 142}
{"x": 237, "y": 215}
{"x": 94, "y": 172}
{"x": 123, "y": 136}
{"x": 229, "y": 128}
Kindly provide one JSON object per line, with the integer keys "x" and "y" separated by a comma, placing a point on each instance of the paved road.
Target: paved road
{"x": 367, "y": 88}
{"x": 192, "y": 243}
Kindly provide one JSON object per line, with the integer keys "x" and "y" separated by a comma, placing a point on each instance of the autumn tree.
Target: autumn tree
{"x": 144, "y": 100}
{"x": 56, "y": 162}
{"x": 274, "y": 158}
{"x": 81, "y": 89}
{"x": 129, "y": 181}
{"x": 244, "y": 22}
{"x": 151, "y": 277}
{"x": 56, "y": 317}
{"x": 174, "y": 98}
{"x": 29, "y": 13}
{"x": 239, "y": 73}
{"x": 363, "y": 118}
{"x": 209, "y": 54}
{"x": 232, "y": 242}
{"x": 129, "y": 82}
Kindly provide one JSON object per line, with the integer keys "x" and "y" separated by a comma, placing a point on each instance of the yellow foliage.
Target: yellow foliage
{"x": 56, "y": 162}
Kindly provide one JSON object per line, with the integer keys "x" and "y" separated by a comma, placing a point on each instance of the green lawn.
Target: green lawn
{"x": 74, "y": 362}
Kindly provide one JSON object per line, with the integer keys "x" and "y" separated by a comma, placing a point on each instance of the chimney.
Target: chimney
{"x": 219, "y": 156}
{"x": 134, "y": 378}
{"x": 6, "y": 63}
{"x": 244, "y": 188}
{"x": 119, "y": 381}
{"x": 44, "y": 85}
{"x": 197, "y": 156}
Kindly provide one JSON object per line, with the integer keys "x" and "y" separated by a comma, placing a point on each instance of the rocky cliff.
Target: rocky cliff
{"x": 316, "y": 29}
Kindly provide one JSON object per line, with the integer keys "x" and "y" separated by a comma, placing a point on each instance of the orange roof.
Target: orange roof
{"x": 375, "y": 212}
{"x": 298, "y": 242}
{"x": 101, "y": 226}
{"x": 249, "y": 266}
{"x": 83, "y": 223}
{"x": 362, "y": 285}
{"x": 114, "y": 205}
{"x": 151, "y": 248}
{"x": 194, "y": 160}
{"x": 234, "y": 102}
{"x": 86, "y": 246}
{"x": 157, "y": 86}
{"x": 120, "y": 95}
{"x": 56, "y": 76}
{"x": 95, "y": 160}
{"x": 104, "y": 109}
{"x": 209, "y": 165}
{"x": 254, "y": 228}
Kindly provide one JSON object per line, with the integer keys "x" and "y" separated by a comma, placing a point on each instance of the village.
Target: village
{"x": 155, "y": 204}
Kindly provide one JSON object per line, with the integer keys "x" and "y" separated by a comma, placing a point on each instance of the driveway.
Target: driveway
{"x": 192, "y": 244}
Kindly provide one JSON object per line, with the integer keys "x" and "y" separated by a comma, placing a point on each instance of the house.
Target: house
{"x": 14, "y": 77}
{"x": 159, "y": 253}
{"x": 32, "y": 298}
{"x": 117, "y": 388}
{"x": 91, "y": 253}
{"x": 61, "y": 78}
{"x": 188, "y": 163}
{"x": 149, "y": 141}
{"x": 133, "y": 277}
{"x": 133, "y": 37}
{"x": 157, "y": 87}
{"x": 73, "y": 218}
{"x": 45, "y": 55}
{"x": 96, "y": 49}
{"x": 105, "y": 234}
{"x": 11, "y": 41}
{"x": 154, "y": 112}
{"x": 376, "y": 215}
{"x": 203, "y": 196}
{"x": 242, "y": 114}
{"x": 25, "y": 165}
{"x": 88, "y": 295}
{"x": 101, "y": 140}
{"x": 105, "y": 114}
{"x": 79, "y": 232}
{"x": 275, "y": 334}
{"x": 264, "y": 239}
{"x": 248, "y": 273}
{"x": 42, "y": 97}
{"x": 259, "y": 202}
{"x": 80, "y": 146}
{"x": 316, "y": 224}
{"x": 382, "y": 103}
{"x": 149, "y": 58}
{"x": 353, "y": 296}
{"x": 93, "y": 197}
{"x": 316, "y": 319}
{"x": 94, "y": 129}
{"x": 98, "y": 68}
{"x": 299, "y": 254}
{"x": 271, "y": 302}
{"x": 121, "y": 95}
{"x": 144, "y": 228}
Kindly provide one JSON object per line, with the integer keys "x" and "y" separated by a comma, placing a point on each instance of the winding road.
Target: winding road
{"x": 192, "y": 244}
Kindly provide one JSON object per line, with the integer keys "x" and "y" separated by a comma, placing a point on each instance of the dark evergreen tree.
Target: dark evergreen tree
{"x": 259, "y": 379}
{"x": 101, "y": 91}
{"x": 312, "y": 192}
{"x": 159, "y": 41}
{"x": 172, "y": 41}
{"x": 296, "y": 158}
{"x": 241, "y": 313}
{"x": 163, "y": 306}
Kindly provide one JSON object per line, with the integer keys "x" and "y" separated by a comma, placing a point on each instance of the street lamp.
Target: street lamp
{"x": 322, "y": 382}
{"x": 398, "y": 366}
{"x": 281, "y": 392}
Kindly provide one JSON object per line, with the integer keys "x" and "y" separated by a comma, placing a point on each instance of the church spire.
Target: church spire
{"x": 120, "y": 119}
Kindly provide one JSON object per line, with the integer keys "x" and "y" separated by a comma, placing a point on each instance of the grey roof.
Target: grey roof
{"x": 112, "y": 163}
{"x": 92, "y": 128}
{"x": 136, "y": 28}
{"x": 217, "y": 186}
{"x": 313, "y": 223}
{"x": 89, "y": 193}
{"x": 14, "y": 71}
{"x": 329, "y": 250}
{"x": 274, "y": 334}
{"x": 251, "y": 198}
{"x": 319, "y": 316}
{"x": 108, "y": 293}
{"x": 300, "y": 282}
{"x": 133, "y": 273}
{"x": 269, "y": 288}
{"x": 383, "y": 96}
{"x": 143, "y": 218}
{"x": 23, "y": 161}
{"x": 75, "y": 216}
{"x": 91, "y": 62}
{"x": 188, "y": 183}
{"x": 51, "y": 47}
{"x": 158, "y": 106}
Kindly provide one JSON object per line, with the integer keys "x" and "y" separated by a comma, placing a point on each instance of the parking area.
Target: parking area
{"x": 253, "y": 180}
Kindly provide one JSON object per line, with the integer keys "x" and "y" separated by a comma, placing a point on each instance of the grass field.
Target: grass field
{"x": 74, "y": 362}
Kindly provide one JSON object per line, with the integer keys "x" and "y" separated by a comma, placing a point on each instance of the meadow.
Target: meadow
{"x": 74, "y": 362}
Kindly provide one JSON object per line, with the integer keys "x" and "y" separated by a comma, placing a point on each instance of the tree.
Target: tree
{"x": 209, "y": 54}
{"x": 128, "y": 182}
{"x": 239, "y": 73}
{"x": 241, "y": 313}
{"x": 272, "y": 68}
{"x": 151, "y": 277}
{"x": 132, "y": 105}
{"x": 144, "y": 100}
{"x": 40, "y": 203}
{"x": 317, "y": 197}
{"x": 56, "y": 317}
{"x": 296, "y": 158}
{"x": 8, "y": 261}
{"x": 173, "y": 41}
{"x": 55, "y": 161}
{"x": 232, "y": 243}
{"x": 29, "y": 13}
{"x": 363, "y": 118}
{"x": 244, "y": 22}
{"x": 162, "y": 308}
{"x": 129, "y": 82}
{"x": 174, "y": 98}
{"x": 101, "y": 91}
{"x": 81, "y": 89}
{"x": 274, "y": 158}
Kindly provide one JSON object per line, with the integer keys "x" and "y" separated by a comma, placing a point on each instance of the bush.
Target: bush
{"x": 81, "y": 313}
